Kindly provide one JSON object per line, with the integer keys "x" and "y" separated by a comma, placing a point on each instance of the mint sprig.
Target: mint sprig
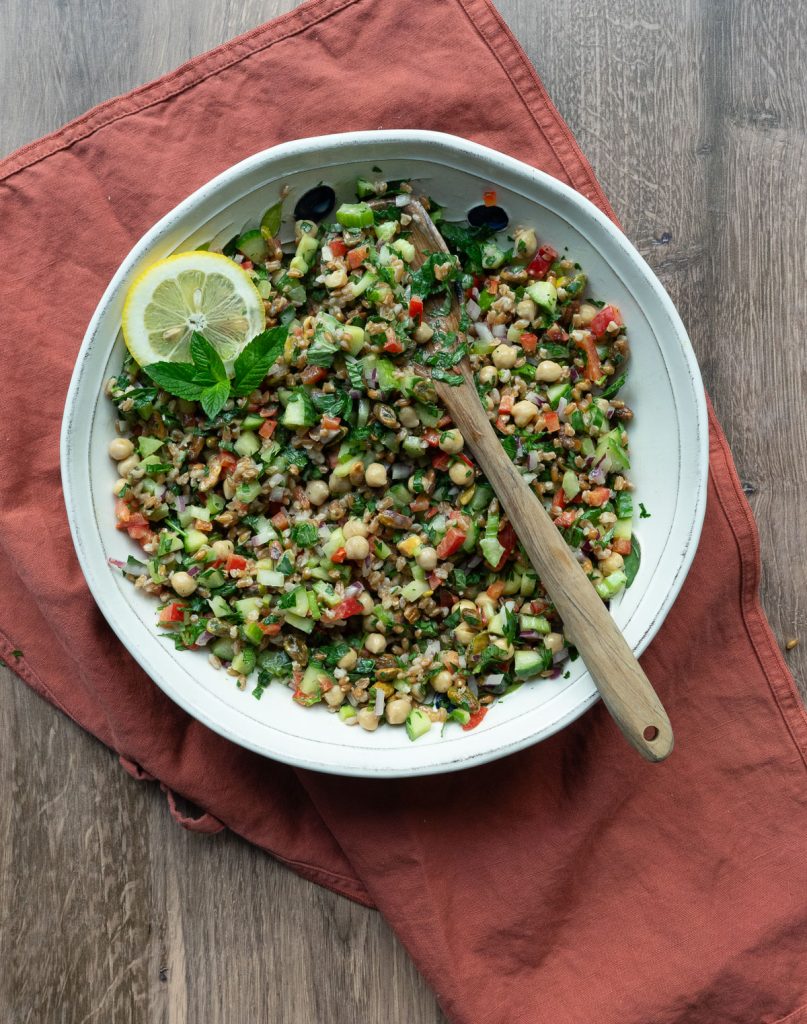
{"x": 205, "y": 379}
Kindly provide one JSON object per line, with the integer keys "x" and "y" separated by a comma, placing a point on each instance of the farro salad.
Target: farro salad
{"x": 307, "y": 512}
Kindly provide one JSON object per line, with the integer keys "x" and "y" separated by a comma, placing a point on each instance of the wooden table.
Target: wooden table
{"x": 693, "y": 114}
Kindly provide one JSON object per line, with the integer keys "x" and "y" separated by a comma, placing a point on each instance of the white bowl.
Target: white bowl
{"x": 668, "y": 440}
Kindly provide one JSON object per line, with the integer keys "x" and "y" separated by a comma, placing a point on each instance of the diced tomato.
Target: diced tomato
{"x": 337, "y": 247}
{"x": 566, "y": 519}
{"x": 235, "y": 562}
{"x": 313, "y": 374}
{"x": 492, "y": 285}
{"x": 346, "y": 608}
{"x": 489, "y": 197}
{"x": 173, "y": 612}
{"x": 528, "y": 341}
{"x": 462, "y": 457}
{"x": 599, "y": 324}
{"x": 542, "y": 261}
{"x": 357, "y": 256}
{"x": 416, "y": 309}
{"x": 280, "y": 520}
{"x": 393, "y": 346}
{"x": 420, "y": 504}
{"x": 508, "y": 540}
{"x": 431, "y": 513}
{"x": 506, "y": 405}
{"x": 538, "y": 607}
{"x": 459, "y": 519}
{"x": 559, "y": 500}
{"x": 270, "y": 628}
{"x": 247, "y": 264}
{"x": 556, "y": 333}
{"x": 330, "y": 423}
{"x": 339, "y": 556}
{"x": 268, "y": 428}
{"x": 451, "y": 543}
{"x": 593, "y": 370}
{"x": 441, "y": 461}
{"x": 495, "y": 590}
{"x": 598, "y": 497}
{"x": 431, "y": 437}
{"x": 551, "y": 421}
{"x": 502, "y": 424}
{"x": 475, "y": 719}
{"x": 621, "y": 545}
{"x": 435, "y": 581}
{"x": 228, "y": 462}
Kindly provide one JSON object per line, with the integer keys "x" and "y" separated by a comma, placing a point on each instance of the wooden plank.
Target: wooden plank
{"x": 694, "y": 120}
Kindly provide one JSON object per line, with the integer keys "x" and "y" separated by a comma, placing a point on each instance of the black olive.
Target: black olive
{"x": 493, "y": 217}
{"x": 315, "y": 204}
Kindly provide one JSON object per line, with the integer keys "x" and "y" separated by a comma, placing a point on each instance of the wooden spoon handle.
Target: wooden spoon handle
{"x": 624, "y": 687}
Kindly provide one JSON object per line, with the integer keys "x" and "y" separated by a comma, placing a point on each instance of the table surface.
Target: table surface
{"x": 693, "y": 114}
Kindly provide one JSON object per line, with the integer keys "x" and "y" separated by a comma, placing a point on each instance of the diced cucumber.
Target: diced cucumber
{"x": 382, "y": 551}
{"x": 610, "y": 454}
{"x": 248, "y": 443}
{"x": 270, "y": 578}
{"x": 413, "y": 446}
{"x": 558, "y": 391}
{"x": 471, "y": 538}
{"x": 414, "y": 590}
{"x": 223, "y": 648}
{"x": 359, "y": 287}
{"x": 244, "y": 661}
{"x": 530, "y": 663}
{"x": 492, "y": 550}
{"x": 385, "y": 231}
{"x": 355, "y": 215}
{"x": 300, "y": 413}
{"x": 211, "y": 578}
{"x": 194, "y": 539}
{"x": 248, "y": 491}
{"x": 215, "y": 503}
{"x": 529, "y": 581}
{"x": 247, "y": 605}
{"x": 534, "y": 623}
{"x": 219, "y": 607}
{"x": 202, "y": 514}
{"x": 335, "y": 541}
{"x": 610, "y": 586}
{"x": 483, "y": 495}
{"x": 404, "y": 248}
{"x": 400, "y": 495}
{"x": 252, "y": 632}
{"x": 306, "y": 251}
{"x": 304, "y": 624}
{"x": 493, "y": 256}
{"x": 571, "y": 485}
{"x": 252, "y": 421}
{"x": 154, "y": 466}
{"x": 346, "y": 712}
{"x": 326, "y": 594}
{"x": 364, "y": 188}
{"x": 514, "y": 334}
{"x": 623, "y": 529}
{"x": 356, "y": 342}
{"x": 428, "y": 417}
{"x": 624, "y": 505}
{"x": 313, "y": 605}
{"x": 253, "y": 245}
{"x": 418, "y": 723}
{"x": 587, "y": 447}
{"x": 544, "y": 294}
{"x": 496, "y": 624}
{"x": 148, "y": 445}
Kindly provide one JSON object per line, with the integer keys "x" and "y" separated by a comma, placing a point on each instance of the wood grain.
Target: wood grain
{"x": 693, "y": 114}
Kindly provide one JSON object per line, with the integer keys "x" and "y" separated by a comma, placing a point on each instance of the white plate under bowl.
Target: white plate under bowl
{"x": 668, "y": 442}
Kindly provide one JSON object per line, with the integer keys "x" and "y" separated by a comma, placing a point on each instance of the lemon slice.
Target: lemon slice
{"x": 202, "y": 292}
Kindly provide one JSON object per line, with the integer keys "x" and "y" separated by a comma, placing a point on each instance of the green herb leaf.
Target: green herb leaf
{"x": 615, "y": 386}
{"x": 257, "y": 358}
{"x": 213, "y": 398}
{"x": 270, "y": 222}
{"x": 643, "y": 513}
{"x": 177, "y": 379}
{"x": 304, "y": 534}
{"x": 208, "y": 367}
{"x": 632, "y": 561}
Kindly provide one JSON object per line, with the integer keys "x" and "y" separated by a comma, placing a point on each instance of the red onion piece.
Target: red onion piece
{"x": 116, "y": 562}
{"x": 203, "y": 638}
{"x": 194, "y": 570}
{"x": 473, "y": 309}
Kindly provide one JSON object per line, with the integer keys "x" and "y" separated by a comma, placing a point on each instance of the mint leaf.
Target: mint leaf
{"x": 270, "y": 222}
{"x": 256, "y": 359}
{"x": 209, "y": 367}
{"x": 214, "y": 397}
{"x": 177, "y": 379}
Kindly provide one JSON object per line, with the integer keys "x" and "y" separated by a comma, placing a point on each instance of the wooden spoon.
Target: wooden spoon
{"x": 624, "y": 687}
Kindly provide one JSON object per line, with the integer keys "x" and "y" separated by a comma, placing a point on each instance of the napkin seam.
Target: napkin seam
{"x": 11, "y": 165}
{"x": 744, "y": 529}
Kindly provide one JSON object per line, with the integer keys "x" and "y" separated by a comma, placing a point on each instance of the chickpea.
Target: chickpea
{"x": 397, "y": 711}
{"x": 183, "y": 583}
{"x": 525, "y": 243}
{"x": 338, "y": 279}
{"x": 465, "y": 608}
{"x": 504, "y": 357}
{"x": 119, "y": 485}
{"x": 613, "y": 563}
{"x": 548, "y": 371}
{"x": 524, "y": 413}
{"x": 376, "y": 643}
{"x": 334, "y": 697}
{"x": 126, "y": 467}
{"x": 354, "y": 528}
{"x": 348, "y": 661}
{"x": 356, "y": 549}
{"x": 585, "y": 314}
{"x": 376, "y": 475}
{"x": 427, "y": 558}
{"x": 120, "y": 448}
{"x": 442, "y": 681}
{"x": 222, "y": 548}
{"x": 554, "y": 642}
{"x": 526, "y": 309}
{"x": 366, "y": 602}
{"x": 423, "y": 333}
{"x": 451, "y": 441}
{"x": 464, "y": 634}
{"x": 486, "y": 605}
{"x": 504, "y": 645}
{"x": 338, "y": 484}
{"x": 450, "y": 659}
{"x": 356, "y": 474}
{"x": 317, "y": 492}
{"x": 488, "y": 375}
{"x": 408, "y": 417}
{"x": 367, "y": 719}
{"x": 461, "y": 474}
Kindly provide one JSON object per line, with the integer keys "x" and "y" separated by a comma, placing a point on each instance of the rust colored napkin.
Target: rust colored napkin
{"x": 570, "y": 883}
